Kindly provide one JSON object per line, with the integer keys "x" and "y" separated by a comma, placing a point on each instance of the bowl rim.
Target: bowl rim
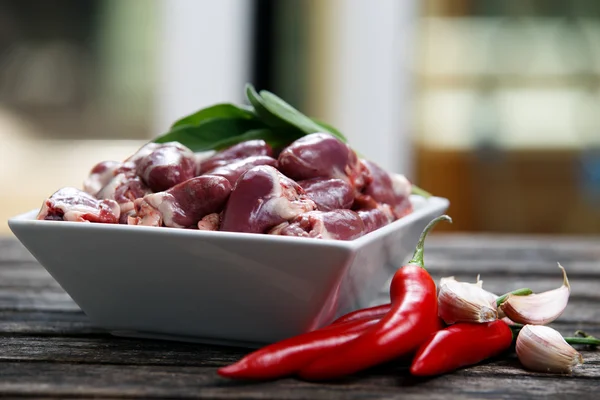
{"x": 431, "y": 204}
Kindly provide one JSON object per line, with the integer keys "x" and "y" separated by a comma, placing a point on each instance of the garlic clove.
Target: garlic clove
{"x": 479, "y": 283}
{"x": 541, "y": 348}
{"x": 445, "y": 280}
{"x": 538, "y": 309}
{"x": 491, "y": 297}
{"x": 464, "y": 302}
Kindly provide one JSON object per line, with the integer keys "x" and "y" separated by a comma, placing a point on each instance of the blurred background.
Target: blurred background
{"x": 493, "y": 104}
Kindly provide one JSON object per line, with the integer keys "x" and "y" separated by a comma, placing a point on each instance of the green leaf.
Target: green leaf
{"x": 286, "y": 112}
{"x": 224, "y": 110}
{"x": 261, "y": 110}
{"x": 289, "y": 114}
{"x": 277, "y": 139}
{"x": 209, "y": 133}
{"x": 277, "y": 113}
{"x": 331, "y": 129}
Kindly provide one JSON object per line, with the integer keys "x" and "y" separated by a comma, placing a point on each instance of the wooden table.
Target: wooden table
{"x": 49, "y": 349}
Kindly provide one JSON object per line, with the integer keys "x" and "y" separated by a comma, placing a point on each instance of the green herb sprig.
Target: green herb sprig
{"x": 268, "y": 117}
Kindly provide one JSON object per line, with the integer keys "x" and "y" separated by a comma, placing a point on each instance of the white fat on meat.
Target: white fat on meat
{"x": 75, "y": 213}
{"x": 108, "y": 191}
{"x": 283, "y": 199}
{"x": 75, "y": 204}
{"x": 130, "y": 188}
{"x": 401, "y": 185}
{"x": 142, "y": 152}
{"x": 156, "y": 209}
{"x": 317, "y": 230}
{"x": 166, "y": 205}
{"x": 210, "y": 222}
{"x": 387, "y": 211}
{"x": 145, "y": 215}
{"x": 97, "y": 180}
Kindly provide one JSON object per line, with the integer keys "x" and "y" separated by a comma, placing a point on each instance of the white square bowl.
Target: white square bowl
{"x": 218, "y": 287}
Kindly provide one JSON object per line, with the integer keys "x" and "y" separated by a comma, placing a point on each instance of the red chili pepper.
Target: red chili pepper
{"x": 461, "y": 345}
{"x": 410, "y": 321}
{"x": 290, "y": 355}
{"x": 365, "y": 313}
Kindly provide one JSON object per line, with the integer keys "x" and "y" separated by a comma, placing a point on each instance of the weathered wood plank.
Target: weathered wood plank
{"x": 31, "y": 300}
{"x": 509, "y": 366}
{"x": 72, "y": 323}
{"x": 26, "y": 276}
{"x": 104, "y": 349}
{"x": 439, "y": 264}
{"x": 539, "y": 244}
{"x": 12, "y": 251}
{"x": 66, "y": 380}
{"x": 49, "y": 349}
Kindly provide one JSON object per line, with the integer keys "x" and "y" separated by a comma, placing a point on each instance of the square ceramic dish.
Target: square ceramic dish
{"x": 217, "y": 287}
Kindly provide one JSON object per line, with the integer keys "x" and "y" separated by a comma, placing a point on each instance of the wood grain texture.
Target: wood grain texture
{"x": 102, "y": 348}
{"x": 49, "y": 349}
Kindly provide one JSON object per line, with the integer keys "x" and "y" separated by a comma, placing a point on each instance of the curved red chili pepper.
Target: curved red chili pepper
{"x": 364, "y": 313}
{"x": 461, "y": 345}
{"x": 290, "y": 355}
{"x": 411, "y": 320}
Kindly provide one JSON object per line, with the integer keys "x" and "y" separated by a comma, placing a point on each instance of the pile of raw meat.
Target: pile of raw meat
{"x": 316, "y": 187}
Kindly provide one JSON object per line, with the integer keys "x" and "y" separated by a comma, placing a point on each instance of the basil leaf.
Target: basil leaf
{"x": 276, "y": 139}
{"x": 207, "y": 134}
{"x": 261, "y": 110}
{"x": 286, "y": 112}
{"x": 277, "y": 113}
{"x": 224, "y": 110}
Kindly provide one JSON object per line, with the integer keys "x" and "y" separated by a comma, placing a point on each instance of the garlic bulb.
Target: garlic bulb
{"x": 538, "y": 309}
{"x": 543, "y": 349}
{"x": 465, "y": 302}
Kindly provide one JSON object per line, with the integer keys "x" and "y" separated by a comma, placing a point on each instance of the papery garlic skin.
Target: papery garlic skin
{"x": 538, "y": 309}
{"x": 541, "y": 348}
{"x": 464, "y": 302}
